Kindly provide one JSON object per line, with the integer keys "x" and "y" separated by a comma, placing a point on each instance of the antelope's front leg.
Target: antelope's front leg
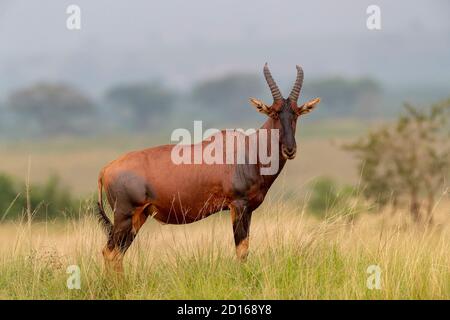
{"x": 241, "y": 217}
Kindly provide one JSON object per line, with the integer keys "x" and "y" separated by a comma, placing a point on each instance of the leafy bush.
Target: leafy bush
{"x": 330, "y": 199}
{"x": 47, "y": 201}
{"x": 408, "y": 163}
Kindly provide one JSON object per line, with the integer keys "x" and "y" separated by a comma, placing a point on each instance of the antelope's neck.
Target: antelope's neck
{"x": 269, "y": 126}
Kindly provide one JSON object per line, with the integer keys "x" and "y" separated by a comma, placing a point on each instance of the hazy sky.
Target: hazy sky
{"x": 181, "y": 41}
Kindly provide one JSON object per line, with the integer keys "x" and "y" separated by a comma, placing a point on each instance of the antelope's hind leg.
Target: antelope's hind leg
{"x": 241, "y": 216}
{"x": 140, "y": 215}
{"x": 127, "y": 223}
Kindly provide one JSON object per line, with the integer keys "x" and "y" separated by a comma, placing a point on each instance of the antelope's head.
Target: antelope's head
{"x": 285, "y": 112}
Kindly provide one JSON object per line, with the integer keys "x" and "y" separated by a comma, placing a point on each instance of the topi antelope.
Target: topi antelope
{"x": 148, "y": 183}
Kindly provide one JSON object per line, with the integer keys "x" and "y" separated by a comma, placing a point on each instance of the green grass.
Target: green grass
{"x": 292, "y": 257}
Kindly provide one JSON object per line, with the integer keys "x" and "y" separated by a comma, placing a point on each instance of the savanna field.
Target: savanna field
{"x": 293, "y": 254}
{"x": 292, "y": 257}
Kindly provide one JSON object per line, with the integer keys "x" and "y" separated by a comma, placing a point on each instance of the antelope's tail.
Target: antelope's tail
{"x": 103, "y": 219}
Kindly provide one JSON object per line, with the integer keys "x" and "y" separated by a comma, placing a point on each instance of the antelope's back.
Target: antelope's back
{"x": 188, "y": 190}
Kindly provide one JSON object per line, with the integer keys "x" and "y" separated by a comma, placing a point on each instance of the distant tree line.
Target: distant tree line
{"x": 347, "y": 98}
{"x": 48, "y": 109}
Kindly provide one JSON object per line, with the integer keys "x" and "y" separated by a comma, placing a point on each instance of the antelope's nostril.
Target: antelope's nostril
{"x": 289, "y": 153}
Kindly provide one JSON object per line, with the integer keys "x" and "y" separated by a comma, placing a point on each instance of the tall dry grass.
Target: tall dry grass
{"x": 293, "y": 256}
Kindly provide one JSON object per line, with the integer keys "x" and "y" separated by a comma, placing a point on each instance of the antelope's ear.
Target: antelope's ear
{"x": 263, "y": 108}
{"x": 308, "y": 106}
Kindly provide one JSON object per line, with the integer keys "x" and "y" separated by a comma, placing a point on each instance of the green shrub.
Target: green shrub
{"x": 330, "y": 199}
{"x": 407, "y": 163}
{"x": 47, "y": 201}
{"x": 8, "y": 193}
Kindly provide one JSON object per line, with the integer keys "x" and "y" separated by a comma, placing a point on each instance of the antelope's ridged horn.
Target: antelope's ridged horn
{"x": 295, "y": 93}
{"x": 276, "y": 94}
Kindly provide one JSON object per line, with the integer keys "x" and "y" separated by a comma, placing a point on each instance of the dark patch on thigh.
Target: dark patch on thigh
{"x": 130, "y": 187}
